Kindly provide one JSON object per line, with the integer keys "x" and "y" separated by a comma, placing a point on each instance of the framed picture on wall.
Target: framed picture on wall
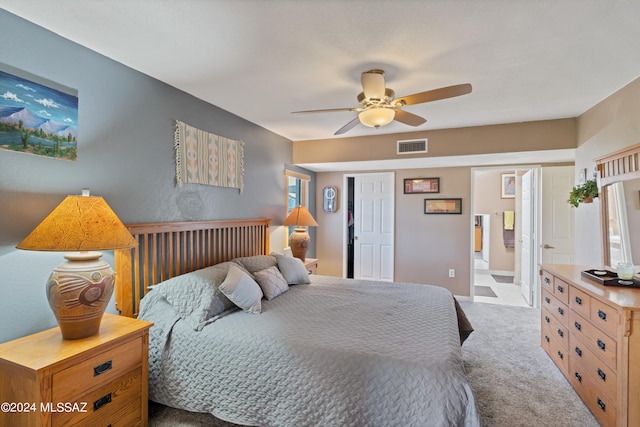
{"x": 443, "y": 206}
{"x": 508, "y": 185}
{"x": 421, "y": 185}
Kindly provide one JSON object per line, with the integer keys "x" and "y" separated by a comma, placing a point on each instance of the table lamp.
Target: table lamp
{"x": 299, "y": 240}
{"x": 80, "y": 288}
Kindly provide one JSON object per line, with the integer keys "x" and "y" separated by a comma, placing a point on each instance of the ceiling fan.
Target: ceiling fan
{"x": 379, "y": 107}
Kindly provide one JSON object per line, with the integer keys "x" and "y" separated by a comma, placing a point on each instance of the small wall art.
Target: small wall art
{"x": 421, "y": 185}
{"x": 443, "y": 206}
{"x": 37, "y": 116}
{"x": 508, "y": 186}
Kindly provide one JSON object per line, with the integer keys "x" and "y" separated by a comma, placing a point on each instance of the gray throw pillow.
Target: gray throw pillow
{"x": 293, "y": 270}
{"x": 240, "y": 288}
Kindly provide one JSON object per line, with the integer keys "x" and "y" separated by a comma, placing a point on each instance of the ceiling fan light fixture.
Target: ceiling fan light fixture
{"x": 376, "y": 117}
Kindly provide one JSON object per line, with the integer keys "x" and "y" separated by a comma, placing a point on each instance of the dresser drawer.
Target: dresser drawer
{"x": 559, "y": 310}
{"x": 602, "y": 407}
{"x": 560, "y": 356}
{"x": 604, "y": 317}
{"x": 580, "y": 302}
{"x": 117, "y": 403}
{"x": 594, "y": 339}
{"x": 74, "y": 381}
{"x": 546, "y": 281}
{"x": 561, "y": 290}
{"x": 554, "y": 329}
{"x": 599, "y": 373}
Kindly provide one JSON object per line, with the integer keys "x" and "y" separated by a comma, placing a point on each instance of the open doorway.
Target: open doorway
{"x": 498, "y": 220}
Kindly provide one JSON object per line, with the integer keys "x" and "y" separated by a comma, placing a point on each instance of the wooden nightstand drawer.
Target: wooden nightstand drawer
{"x": 97, "y": 370}
{"x": 58, "y": 376}
{"x": 114, "y": 403}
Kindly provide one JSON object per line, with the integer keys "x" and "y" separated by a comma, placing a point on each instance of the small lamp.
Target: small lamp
{"x": 80, "y": 288}
{"x": 299, "y": 240}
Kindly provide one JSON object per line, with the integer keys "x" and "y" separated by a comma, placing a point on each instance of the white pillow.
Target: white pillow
{"x": 242, "y": 290}
{"x": 272, "y": 282}
{"x": 293, "y": 270}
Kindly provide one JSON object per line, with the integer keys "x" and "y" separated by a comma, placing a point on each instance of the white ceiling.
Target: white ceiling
{"x": 262, "y": 59}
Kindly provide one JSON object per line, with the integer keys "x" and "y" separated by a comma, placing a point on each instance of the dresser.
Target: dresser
{"x": 101, "y": 380}
{"x": 592, "y": 333}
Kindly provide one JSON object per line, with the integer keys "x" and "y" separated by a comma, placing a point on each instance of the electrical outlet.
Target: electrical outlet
{"x": 452, "y": 272}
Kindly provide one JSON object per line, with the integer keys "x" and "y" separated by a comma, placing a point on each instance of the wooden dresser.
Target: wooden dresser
{"x": 592, "y": 333}
{"x": 99, "y": 381}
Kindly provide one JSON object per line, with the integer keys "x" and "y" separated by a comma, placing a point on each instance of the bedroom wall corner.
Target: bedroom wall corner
{"x": 125, "y": 154}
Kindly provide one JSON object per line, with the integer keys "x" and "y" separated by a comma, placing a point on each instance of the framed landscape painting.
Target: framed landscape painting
{"x": 37, "y": 116}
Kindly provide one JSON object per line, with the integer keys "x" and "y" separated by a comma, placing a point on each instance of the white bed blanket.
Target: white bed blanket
{"x": 334, "y": 353}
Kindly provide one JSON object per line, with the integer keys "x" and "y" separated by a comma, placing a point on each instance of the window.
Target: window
{"x": 296, "y": 187}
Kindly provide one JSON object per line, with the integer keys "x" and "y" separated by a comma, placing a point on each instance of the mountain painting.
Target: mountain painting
{"x": 37, "y": 116}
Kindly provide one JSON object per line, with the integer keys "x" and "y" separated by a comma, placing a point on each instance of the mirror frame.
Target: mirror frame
{"x": 621, "y": 165}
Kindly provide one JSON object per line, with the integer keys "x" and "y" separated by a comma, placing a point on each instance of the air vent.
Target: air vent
{"x": 412, "y": 146}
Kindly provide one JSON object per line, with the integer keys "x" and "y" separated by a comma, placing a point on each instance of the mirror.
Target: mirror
{"x": 621, "y": 229}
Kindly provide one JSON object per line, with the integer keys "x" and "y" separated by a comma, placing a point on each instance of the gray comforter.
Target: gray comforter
{"x": 336, "y": 352}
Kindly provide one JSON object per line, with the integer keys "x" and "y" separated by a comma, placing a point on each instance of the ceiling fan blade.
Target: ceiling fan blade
{"x": 434, "y": 95}
{"x": 373, "y": 84}
{"x": 328, "y": 110}
{"x": 409, "y": 118}
{"x": 346, "y": 128}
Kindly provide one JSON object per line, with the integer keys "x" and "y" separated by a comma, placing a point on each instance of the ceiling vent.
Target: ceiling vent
{"x": 412, "y": 146}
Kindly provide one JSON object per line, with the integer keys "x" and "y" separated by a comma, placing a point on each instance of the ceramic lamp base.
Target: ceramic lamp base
{"x": 78, "y": 291}
{"x": 299, "y": 243}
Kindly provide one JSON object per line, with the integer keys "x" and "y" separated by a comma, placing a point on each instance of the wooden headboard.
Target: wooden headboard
{"x": 168, "y": 249}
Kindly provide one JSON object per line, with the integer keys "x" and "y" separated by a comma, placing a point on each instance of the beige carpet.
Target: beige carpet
{"x": 514, "y": 381}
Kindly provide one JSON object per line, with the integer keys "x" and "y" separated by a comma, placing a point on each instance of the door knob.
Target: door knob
{"x": 546, "y": 246}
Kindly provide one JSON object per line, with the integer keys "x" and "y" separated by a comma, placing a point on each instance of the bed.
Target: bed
{"x": 325, "y": 351}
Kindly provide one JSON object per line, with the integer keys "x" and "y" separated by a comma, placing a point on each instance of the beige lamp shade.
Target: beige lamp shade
{"x": 79, "y": 289}
{"x": 300, "y": 216}
{"x": 299, "y": 239}
{"x": 79, "y": 223}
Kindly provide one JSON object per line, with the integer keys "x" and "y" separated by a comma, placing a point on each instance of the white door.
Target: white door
{"x": 374, "y": 226}
{"x": 527, "y": 252}
{"x": 557, "y": 215}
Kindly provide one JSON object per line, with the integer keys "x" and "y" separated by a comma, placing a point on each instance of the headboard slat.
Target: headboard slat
{"x": 168, "y": 249}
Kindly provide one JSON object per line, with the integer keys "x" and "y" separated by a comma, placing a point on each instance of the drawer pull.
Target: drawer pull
{"x": 560, "y": 354}
{"x": 601, "y": 344}
{"x": 546, "y": 280}
{"x": 546, "y": 319}
{"x": 602, "y": 315}
{"x": 102, "y": 401}
{"x": 578, "y": 300}
{"x": 546, "y": 338}
{"x": 102, "y": 368}
{"x": 578, "y": 351}
{"x": 579, "y": 377}
{"x": 577, "y": 325}
{"x": 602, "y": 375}
{"x": 561, "y": 311}
{"x": 560, "y": 333}
{"x": 601, "y": 404}
{"x": 547, "y": 300}
{"x": 560, "y": 289}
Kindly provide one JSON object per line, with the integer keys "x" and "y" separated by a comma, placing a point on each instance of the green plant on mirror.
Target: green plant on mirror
{"x": 583, "y": 193}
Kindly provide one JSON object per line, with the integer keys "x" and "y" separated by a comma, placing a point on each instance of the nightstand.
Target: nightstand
{"x": 99, "y": 380}
{"x": 311, "y": 264}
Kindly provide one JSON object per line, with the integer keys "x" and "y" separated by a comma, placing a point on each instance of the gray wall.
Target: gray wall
{"x": 125, "y": 154}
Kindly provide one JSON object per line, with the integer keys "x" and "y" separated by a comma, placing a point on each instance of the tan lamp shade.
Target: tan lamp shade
{"x": 300, "y": 216}
{"x": 79, "y": 289}
{"x": 79, "y": 223}
{"x": 299, "y": 239}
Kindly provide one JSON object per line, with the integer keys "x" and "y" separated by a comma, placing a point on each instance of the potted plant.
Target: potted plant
{"x": 583, "y": 193}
